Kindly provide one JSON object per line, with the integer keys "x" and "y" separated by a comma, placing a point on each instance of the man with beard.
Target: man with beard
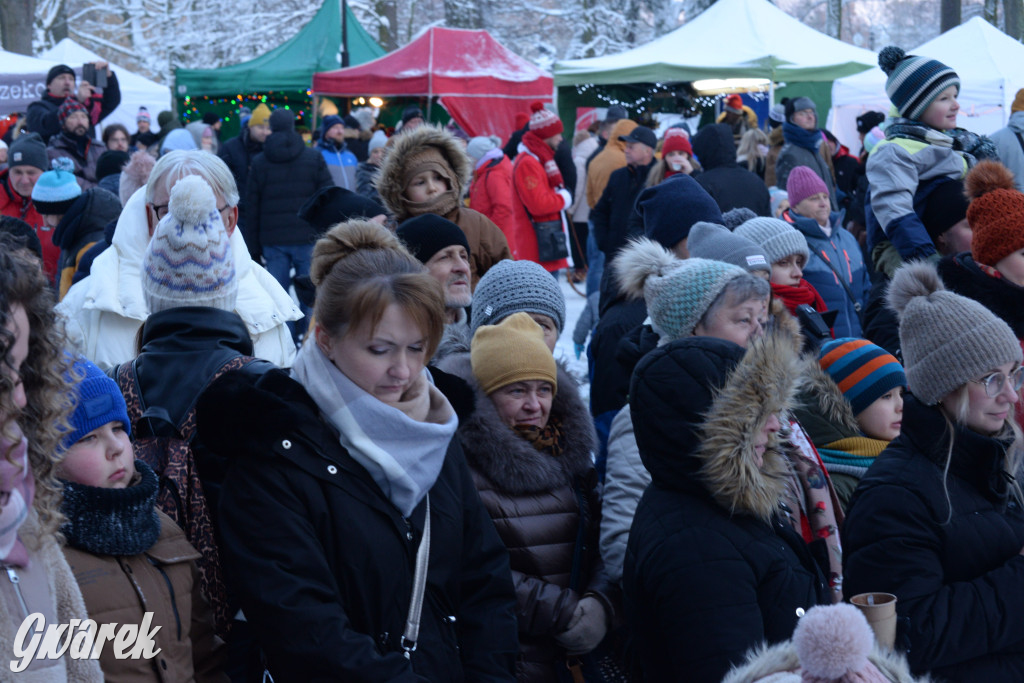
{"x": 60, "y": 85}
{"x": 441, "y": 246}
{"x": 74, "y": 142}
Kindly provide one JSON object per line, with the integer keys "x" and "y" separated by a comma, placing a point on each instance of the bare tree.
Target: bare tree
{"x": 464, "y": 14}
{"x": 834, "y": 18}
{"x": 1013, "y": 14}
{"x": 16, "y": 23}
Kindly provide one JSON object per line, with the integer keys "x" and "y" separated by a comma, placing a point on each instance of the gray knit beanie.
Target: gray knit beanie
{"x": 715, "y": 242}
{"x": 947, "y": 340}
{"x": 778, "y": 238}
{"x": 512, "y": 286}
{"x": 678, "y": 292}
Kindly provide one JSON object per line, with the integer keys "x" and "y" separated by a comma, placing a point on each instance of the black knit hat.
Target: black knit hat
{"x": 427, "y": 234}
{"x": 28, "y": 150}
{"x": 210, "y": 118}
{"x": 944, "y": 207}
{"x": 333, "y": 205}
{"x": 868, "y": 120}
{"x": 670, "y": 208}
{"x": 410, "y": 113}
{"x": 282, "y": 120}
{"x": 111, "y": 162}
{"x": 21, "y": 234}
{"x": 57, "y": 71}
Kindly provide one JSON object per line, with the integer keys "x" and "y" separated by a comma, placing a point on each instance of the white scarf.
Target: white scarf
{"x": 403, "y": 448}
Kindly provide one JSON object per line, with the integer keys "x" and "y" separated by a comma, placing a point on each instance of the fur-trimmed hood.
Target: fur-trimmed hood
{"x": 698, "y": 405}
{"x": 510, "y": 462}
{"x": 777, "y": 660}
{"x": 389, "y": 181}
{"x": 822, "y": 410}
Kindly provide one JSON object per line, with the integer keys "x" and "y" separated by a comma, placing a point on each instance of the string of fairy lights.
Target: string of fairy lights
{"x": 192, "y": 109}
{"x": 652, "y": 92}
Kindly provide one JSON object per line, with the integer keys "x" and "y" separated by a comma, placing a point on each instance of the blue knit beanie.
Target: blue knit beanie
{"x": 864, "y": 372}
{"x": 670, "y": 208}
{"x": 55, "y": 191}
{"x": 914, "y": 82}
{"x": 98, "y": 400}
{"x": 516, "y": 286}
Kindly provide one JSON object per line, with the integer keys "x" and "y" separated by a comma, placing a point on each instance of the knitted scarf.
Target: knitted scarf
{"x": 804, "y": 293}
{"x": 106, "y": 521}
{"x": 801, "y": 137}
{"x": 18, "y": 486}
{"x": 401, "y": 446}
{"x": 442, "y": 205}
{"x": 959, "y": 139}
{"x": 549, "y": 440}
{"x": 538, "y": 148}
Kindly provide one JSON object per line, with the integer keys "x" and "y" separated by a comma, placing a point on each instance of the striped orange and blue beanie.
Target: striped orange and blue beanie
{"x": 863, "y": 371}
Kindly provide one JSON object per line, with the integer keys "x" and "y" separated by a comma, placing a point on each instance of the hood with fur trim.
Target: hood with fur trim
{"x": 389, "y": 182}
{"x": 822, "y": 410}
{"x": 698, "y": 407}
{"x": 780, "y": 664}
{"x": 507, "y": 460}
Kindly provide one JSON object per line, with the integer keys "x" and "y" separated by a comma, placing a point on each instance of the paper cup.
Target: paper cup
{"x": 880, "y": 611}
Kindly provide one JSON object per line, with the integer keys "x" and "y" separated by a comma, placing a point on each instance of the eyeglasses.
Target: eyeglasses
{"x": 161, "y": 210}
{"x": 995, "y": 382}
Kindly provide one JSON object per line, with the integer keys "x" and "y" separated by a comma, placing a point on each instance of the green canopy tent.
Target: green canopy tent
{"x": 280, "y": 77}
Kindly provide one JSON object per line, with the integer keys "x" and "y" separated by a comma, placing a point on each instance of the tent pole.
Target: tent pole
{"x": 316, "y": 110}
{"x": 344, "y": 34}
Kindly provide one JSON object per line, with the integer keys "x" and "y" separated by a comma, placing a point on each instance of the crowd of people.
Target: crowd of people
{"x": 300, "y": 405}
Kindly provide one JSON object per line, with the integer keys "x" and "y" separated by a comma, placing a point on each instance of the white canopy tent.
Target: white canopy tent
{"x": 989, "y": 65}
{"x": 136, "y": 90}
{"x": 22, "y": 80}
{"x": 730, "y": 39}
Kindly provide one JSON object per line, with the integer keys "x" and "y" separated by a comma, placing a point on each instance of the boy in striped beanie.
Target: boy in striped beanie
{"x": 872, "y": 382}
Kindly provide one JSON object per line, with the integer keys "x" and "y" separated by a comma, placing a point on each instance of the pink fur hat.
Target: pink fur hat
{"x": 833, "y": 643}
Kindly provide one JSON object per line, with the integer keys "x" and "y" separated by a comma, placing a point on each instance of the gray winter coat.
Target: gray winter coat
{"x": 1010, "y": 143}
{"x": 625, "y": 481}
{"x": 792, "y": 156}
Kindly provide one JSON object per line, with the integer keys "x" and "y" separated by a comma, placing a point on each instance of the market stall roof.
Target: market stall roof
{"x": 289, "y": 66}
{"x": 481, "y": 83}
{"x": 987, "y": 60}
{"x": 730, "y": 39}
{"x": 23, "y": 80}
{"x": 136, "y": 90}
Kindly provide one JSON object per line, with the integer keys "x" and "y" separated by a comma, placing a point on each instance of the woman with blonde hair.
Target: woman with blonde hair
{"x": 356, "y": 540}
{"x": 34, "y": 408}
{"x": 937, "y": 520}
{"x": 753, "y": 151}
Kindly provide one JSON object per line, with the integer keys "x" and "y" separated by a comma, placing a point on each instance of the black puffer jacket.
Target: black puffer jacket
{"x": 323, "y": 562}
{"x": 947, "y": 547}
{"x": 962, "y": 274}
{"x": 710, "y": 570}
{"x": 535, "y": 502}
{"x": 729, "y": 184}
{"x": 282, "y": 177}
{"x": 238, "y": 153}
{"x": 618, "y": 344}
{"x": 611, "y": 215}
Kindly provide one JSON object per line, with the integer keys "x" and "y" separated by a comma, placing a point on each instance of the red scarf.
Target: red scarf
{"x": 542, "y": 151}
{"x": 804, "y": 293}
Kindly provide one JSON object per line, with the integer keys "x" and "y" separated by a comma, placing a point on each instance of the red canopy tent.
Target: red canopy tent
{"x": 479, "y": 82}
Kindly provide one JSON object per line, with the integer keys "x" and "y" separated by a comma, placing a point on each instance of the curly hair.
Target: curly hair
{"x": 44, "y": 419}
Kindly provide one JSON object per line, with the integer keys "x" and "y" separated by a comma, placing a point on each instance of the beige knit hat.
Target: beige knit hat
{"x": 946, "y": 339}
{"x": 511, "y": 351}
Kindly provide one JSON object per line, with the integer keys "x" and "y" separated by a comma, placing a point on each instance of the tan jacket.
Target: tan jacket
{"x": 612, "y": 157}
{"x": 163, "y": 580}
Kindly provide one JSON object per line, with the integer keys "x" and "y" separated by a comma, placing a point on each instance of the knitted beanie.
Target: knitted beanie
{"x": 868, "y": 120}
{"x": 995, "y": 214}
{"x": 616, "y": 112}
{"x": 1018, "y": 102}
{"x": 282, "y": 120}
{"x": 670, "y": 208}
{"x": 945, "y": 205}
{"x": 734, "y": 218}
{"x": 946, "y": 339}
{"x": 427, "y": 234}
{"x": 511, "y": 351}
{"x": 411, "y": 112}
{"x": 167, "y": 121}
{"x": 678, "y": 293}
{"x": 914, "y": 82}
{"x": 57, "y": 70}
{"x": 777, "y": 115}
{"x": 178, "y": 139}
{"x": 210, "y": 118}
{"x": 481, "y": 145}
{"x": 792, "y": 106}
{"x": 111, "y": 162}
{"x": 516, "y": 286}
{"x": 143, "y": 115}
{"x": 377, "y": 140}
{"x": 98, "y": 400}
{"x": 351, "y": 122}
{"x": 676, "y": 140}
{"x": 715, "y": 242}
{"x": 864, "y": 372}
{"x": 28, "y": 150}
{"x": 803, "y": 183}
{"x": 189, "y": 260}
{"x": 21, "y": 234}
{"x": 331, "y": 121}
{"x": 55, "y": 191}
{"x": 332, "y": 205}
{"x": 260, "y": 115}
{"x": 777, "y": 196}
{"x": 543, "y": 122}
{"x": 68, "y": 107}
{"x": 428, "y": 158}
{"x": 778, "y": 238}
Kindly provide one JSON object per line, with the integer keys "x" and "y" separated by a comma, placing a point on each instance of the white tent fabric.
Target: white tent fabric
{"x": 136, "y": 90}
{"x": 989, "y": 65}
{"x": 732, "y": 38}
{"x": 22, "y": 80}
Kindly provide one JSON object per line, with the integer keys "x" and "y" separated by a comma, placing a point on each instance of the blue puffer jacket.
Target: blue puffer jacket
{"x": 340, "y": 162}
{"x": 843, "y": 252}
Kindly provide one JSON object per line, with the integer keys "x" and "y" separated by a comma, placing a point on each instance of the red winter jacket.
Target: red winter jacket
{"x": 535, "y": 199}
{"x": 491, "y": 194}
{"x": 14, "y": 205}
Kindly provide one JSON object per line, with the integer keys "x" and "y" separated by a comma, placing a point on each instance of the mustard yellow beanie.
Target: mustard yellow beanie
{"x": 511, "y": 351}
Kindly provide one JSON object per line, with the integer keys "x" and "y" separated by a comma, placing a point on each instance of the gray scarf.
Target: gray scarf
{"x": 403, "y": 448}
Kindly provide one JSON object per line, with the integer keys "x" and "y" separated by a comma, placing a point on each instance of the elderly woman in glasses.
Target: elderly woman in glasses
{"x": 937, "y": 520}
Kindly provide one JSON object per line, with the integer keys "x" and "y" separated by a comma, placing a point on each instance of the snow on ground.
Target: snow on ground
{"x": 574, "y": 305}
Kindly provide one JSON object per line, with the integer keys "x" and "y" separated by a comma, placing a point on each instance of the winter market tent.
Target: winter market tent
{"x": 289, "y": 66}
{"x": 481, "y": 84}
{"x": 136, "y": 91}
{"x": 987, "y": 60}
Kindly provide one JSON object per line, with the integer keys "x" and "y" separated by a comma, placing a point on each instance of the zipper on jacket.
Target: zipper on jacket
{"x": 170, "y": 587}
{"x": 16, "y": 582}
